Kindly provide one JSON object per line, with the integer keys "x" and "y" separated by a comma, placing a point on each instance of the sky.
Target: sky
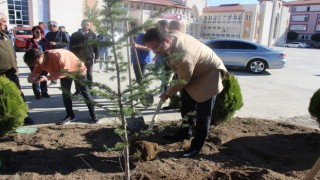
{"x": 218, "y": 2}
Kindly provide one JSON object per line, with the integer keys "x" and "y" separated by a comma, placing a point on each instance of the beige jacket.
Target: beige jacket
{"x": 199, "y": 69}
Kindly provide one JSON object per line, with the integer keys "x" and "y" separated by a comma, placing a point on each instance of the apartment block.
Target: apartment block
{"x": 305, "y": 18}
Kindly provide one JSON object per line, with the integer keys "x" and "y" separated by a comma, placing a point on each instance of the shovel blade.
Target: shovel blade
{"x": 136, "y": 123}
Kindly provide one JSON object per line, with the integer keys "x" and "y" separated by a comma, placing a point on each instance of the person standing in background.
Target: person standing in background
{"x": 103, "y": 53}
{"x": 39, "y": 42}
{"x": 57, "y": 40}
{"x": 87, "y": 51}
{"x": 63, "y": 29}
{"x": 144, "y": 54}
{"x": 8, "y": 62}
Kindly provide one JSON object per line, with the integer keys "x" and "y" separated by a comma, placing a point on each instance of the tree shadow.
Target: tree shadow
{"x": 278, "y": 152}
{"x": 42, "y": 160}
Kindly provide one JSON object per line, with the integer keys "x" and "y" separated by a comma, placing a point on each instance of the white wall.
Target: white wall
{"x": 68, "y": 13}
{"x": 265, "y": 23}
{"x": 284, "y": 22}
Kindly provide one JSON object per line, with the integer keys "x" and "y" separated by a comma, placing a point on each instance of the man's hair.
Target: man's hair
{"x": 53, "y": 23}
{"x": 163, "y": 23}
{"x": 31, "y": 56}
{"x": 133, "y": 23}
{"x": 85, "y": 21}
{"x": 175, "y": 25}
{"x": 155, "y": 34}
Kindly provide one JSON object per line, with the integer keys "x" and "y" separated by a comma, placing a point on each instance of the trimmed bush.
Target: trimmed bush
{"x": 13, "y": 109}
{"x": 228, "y": 101}
{"x": 314, "y": 106}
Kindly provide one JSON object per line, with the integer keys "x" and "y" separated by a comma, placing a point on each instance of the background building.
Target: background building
{"x": 264, "y": 23}
{"x": 31, "y": 12}
{"x": 305, "y": 18}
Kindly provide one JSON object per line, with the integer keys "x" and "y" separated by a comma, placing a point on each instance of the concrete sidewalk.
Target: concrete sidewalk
{"x": 51, "y": 110}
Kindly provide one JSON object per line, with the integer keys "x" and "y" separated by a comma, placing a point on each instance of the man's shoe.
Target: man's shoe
{"x": 76, "y": 93}
{"x": 67, "y": 120}
{"x": 28, "y": 121}
{"x": 190, "y": 153}
{"x": 38, "y": 96}
{"x": 46, "y": 95}
{"x": 95, "y": 120}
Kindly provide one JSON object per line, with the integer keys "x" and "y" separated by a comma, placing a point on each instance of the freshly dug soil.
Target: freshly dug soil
{"x": 243, "y": 148}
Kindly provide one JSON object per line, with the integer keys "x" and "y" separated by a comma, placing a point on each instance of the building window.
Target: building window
{"x": 317, "y": 29}
{"x": 132, "y": 6}
{"x": 205, "y": 17}
{"x": 125, "y": 5}
{"x": 18, "y": 12}
{"x": 138, "y": 6}
{"x": 229, "y": 16}
{"x": 298, "y": 27}
{"x": 248, "y": 17}
{"x": 235, "y": 17}
{"x": 297, "y": 18}
{"x": 210, "y": 17}
{"x": 306, "y": 8}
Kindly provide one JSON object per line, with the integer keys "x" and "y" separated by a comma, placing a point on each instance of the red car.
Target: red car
{"x": 21, "y": 35}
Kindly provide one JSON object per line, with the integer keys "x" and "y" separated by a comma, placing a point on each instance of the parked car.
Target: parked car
{"x": 254, "y": 57}
{"x": 316, "y": 45}
{"x": 21, "y": 35}
{"x": 296, "y": 45}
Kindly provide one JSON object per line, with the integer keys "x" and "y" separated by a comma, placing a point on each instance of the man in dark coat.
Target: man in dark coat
{"x": 81, "y": 44}
{"x": 57, "y": 40}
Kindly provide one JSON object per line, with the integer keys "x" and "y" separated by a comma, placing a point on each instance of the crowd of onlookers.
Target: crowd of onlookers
{"x": 51, "y": 38}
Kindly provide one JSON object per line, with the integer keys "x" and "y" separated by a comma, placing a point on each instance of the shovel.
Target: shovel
{"x": 155, "y": 116}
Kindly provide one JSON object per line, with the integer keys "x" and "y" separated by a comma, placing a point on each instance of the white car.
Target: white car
{"x": 296, "y": 45}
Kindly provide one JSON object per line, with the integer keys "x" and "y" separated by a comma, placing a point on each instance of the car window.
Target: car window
{"x": 231, "y": 45}
{"x": 241, "y": 45}
{"x": 219, "y": 45}
{"x": 23, "y": 32}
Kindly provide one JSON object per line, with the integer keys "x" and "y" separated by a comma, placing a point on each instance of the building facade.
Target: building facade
{"x": 31, "y": 12}
{"x": 264, "y": 23}
{"x": 305, "y": 18}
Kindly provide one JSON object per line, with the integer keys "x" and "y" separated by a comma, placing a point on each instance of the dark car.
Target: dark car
{"x": 245, "y": 54}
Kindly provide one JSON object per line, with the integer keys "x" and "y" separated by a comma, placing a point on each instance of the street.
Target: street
{"x": 277, "y": 94}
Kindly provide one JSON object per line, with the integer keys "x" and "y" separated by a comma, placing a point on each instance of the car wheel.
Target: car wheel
{"x": 299, "y": 47}
{"x": 286, "y": 46}
{"x": 257, "y": 66}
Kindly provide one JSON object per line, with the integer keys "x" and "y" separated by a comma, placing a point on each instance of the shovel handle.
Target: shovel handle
{"x": 313, "y": 171}
{"x": 155, "y": 115}
{"x": 158, "y": 109}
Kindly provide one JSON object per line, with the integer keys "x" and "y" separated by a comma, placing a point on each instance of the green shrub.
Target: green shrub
{"x": 228, "y": 101}
{"x": 314, "y": 106}
{"x": 13, "y": 109}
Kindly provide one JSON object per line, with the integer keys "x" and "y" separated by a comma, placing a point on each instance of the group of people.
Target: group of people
{"x": 199, "y": 71}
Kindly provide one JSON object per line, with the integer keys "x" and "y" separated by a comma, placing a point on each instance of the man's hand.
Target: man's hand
{"x": 43, "y": 78}
{"x": 163, "y": 97}
{"x": 53, "y": 43}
